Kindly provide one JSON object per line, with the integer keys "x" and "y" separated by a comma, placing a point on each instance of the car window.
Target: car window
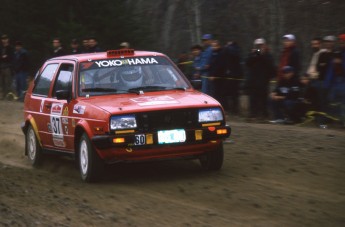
{"x": 122, "y": 75}
{"x": 44, "y": 80}
{"x": 64, "y": 78}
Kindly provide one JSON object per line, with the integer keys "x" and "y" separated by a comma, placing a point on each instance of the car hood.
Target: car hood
{"x": 130, "y": 103}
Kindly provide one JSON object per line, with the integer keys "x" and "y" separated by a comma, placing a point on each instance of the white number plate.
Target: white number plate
{"x": 140, "y": 139}
{"x": 171, "y": 136}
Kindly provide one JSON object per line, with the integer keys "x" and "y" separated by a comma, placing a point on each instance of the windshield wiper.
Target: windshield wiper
{"x": 156, "y": 88}
{"x": 98, "y": 89}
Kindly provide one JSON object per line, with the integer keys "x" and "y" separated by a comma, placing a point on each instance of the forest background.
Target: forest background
{"x": 168, "y": 26}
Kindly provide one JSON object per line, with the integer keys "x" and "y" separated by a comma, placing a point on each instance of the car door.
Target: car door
{"x": 39, "y": 106}
{"x": 60, "y": 125}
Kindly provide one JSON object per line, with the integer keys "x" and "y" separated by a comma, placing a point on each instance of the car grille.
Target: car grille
{"x": 167, "y": 119}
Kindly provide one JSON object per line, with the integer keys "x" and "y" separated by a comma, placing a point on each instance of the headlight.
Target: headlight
{"x": 210, "y": 115}
{"x": 123, "y": 122}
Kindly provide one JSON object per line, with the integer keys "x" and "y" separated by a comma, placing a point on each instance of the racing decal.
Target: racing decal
{"x": 65, "y": 111}
{"x": 56, "y": 108}
{"x": 55, "y": 124}
{"x": 64, "y": 120}
{"x": 42, "y": 105}
{"x": 78, "y": 109}
{"x": 49, "y": 127}
{"x": 86, "y": 65}
{"x": 154, "y": 100}
{"x": 59, "y": 142}
{"x": 129, "y": 61}
{"x": 66, "y": 129}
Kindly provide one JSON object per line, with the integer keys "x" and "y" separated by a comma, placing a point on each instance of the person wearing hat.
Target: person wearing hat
{"x": 290, "y": 56}
{"x": 6, "y": 63}
{"x": 124, "y": 45}
{"x": 326, "y": 56}
{"x": 21, "y": 69}
{"x": 261, "y": 69}
{"x": 285, "y": 97}
{"x": 206, "y": 55}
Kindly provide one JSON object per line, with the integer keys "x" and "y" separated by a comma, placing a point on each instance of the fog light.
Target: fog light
{"x": 221, "y": 131}
{"x": 118, "y": 140}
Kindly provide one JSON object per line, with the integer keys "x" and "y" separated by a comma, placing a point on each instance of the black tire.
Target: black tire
{"x": 90, "y": 164}
{"x": 32, "y": 147}
{"x": 213, "y": 160}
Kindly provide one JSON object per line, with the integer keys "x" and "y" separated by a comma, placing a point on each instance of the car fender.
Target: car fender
{"x": 30, "y": 120}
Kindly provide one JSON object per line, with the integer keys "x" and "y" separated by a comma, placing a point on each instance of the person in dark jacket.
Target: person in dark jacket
{"x": 285, "y": 97}
{"x": 93, "y": 45}
{"x": 57, "y": 48}
{"x": 217, "y": 71}
{"x": 21, "y": 69}
{"x": 6, "y": 64}
{"x": 234, "y": 74}
{"x": 290, "y": 56}
{"x": 261, "y": 69}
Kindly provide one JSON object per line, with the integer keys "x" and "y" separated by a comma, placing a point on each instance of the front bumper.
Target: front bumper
{"x": 198, "y": 142}
{"x": 193, "y": 136}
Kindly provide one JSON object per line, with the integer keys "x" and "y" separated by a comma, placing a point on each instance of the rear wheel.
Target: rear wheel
{"x": 90, "y": 164}
{"x": 33, "y": 148}
{"x": 213, "y": 160}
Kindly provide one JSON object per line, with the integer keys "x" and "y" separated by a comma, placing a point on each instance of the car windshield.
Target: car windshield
{"x": 129, "y": 75}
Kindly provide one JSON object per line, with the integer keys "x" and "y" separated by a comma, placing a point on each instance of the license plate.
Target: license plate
{"x": 171, "y": 136}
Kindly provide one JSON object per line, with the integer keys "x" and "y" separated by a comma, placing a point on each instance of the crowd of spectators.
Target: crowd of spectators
{"x": 278, "y": 92}
{"x": 15, "y": 62}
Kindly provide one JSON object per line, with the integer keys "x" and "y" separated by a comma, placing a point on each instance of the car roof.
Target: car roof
{"x": 104, "y": 55}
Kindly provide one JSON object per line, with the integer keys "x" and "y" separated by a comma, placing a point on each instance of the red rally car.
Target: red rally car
{"x": 120, "y": 106}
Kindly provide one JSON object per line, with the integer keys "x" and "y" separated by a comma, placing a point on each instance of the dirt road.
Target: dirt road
{"x": 273, "y": 175}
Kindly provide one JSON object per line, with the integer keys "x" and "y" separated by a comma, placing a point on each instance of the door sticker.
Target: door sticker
{"x": 78, "y": 109}
{"x": 55, "y": 124}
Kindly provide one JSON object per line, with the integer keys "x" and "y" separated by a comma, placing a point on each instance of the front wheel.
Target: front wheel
{"x": 213, "y": 160}
{"x": 90, "y": 164}
{"x": 32, "y": 147}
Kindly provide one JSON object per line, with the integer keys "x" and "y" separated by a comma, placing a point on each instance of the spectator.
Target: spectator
{"x": 205, "y": 62}
{"x": 217, "y": 70}
{"x": 335, "y": 82}
{"x": 57, "y": 48}
{"x": 21, "y": 69}
{"x": 93, "y": 45}
{"x": 85, "y": 43}
{"x": 6, "y": 61}
{"x": 318, "y": 82}
{"x": 285, "y": 97}
{"x": 290, "y": 56}
{"x": 75, "y": 47}
{"x": 234, "y": 73}
{"x": 326, "y": 56}
{"x": 312, "y": 71}
{"x": 124, "y": 45}
{"x": 261, "y": 70}
{"x": 196, "y": 54}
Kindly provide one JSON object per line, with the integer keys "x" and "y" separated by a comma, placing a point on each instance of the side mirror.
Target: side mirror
{"x": 196, "y": 84}
{"x": 63, "y": 95}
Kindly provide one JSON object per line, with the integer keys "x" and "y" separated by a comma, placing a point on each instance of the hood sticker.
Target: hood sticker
{"x": 154, "y": 100}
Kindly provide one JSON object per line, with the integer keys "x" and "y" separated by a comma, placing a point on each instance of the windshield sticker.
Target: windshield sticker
{"x": 78, "y": 109}
{"x": 129, "y": 61}
{"x": 154, "y": 100}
